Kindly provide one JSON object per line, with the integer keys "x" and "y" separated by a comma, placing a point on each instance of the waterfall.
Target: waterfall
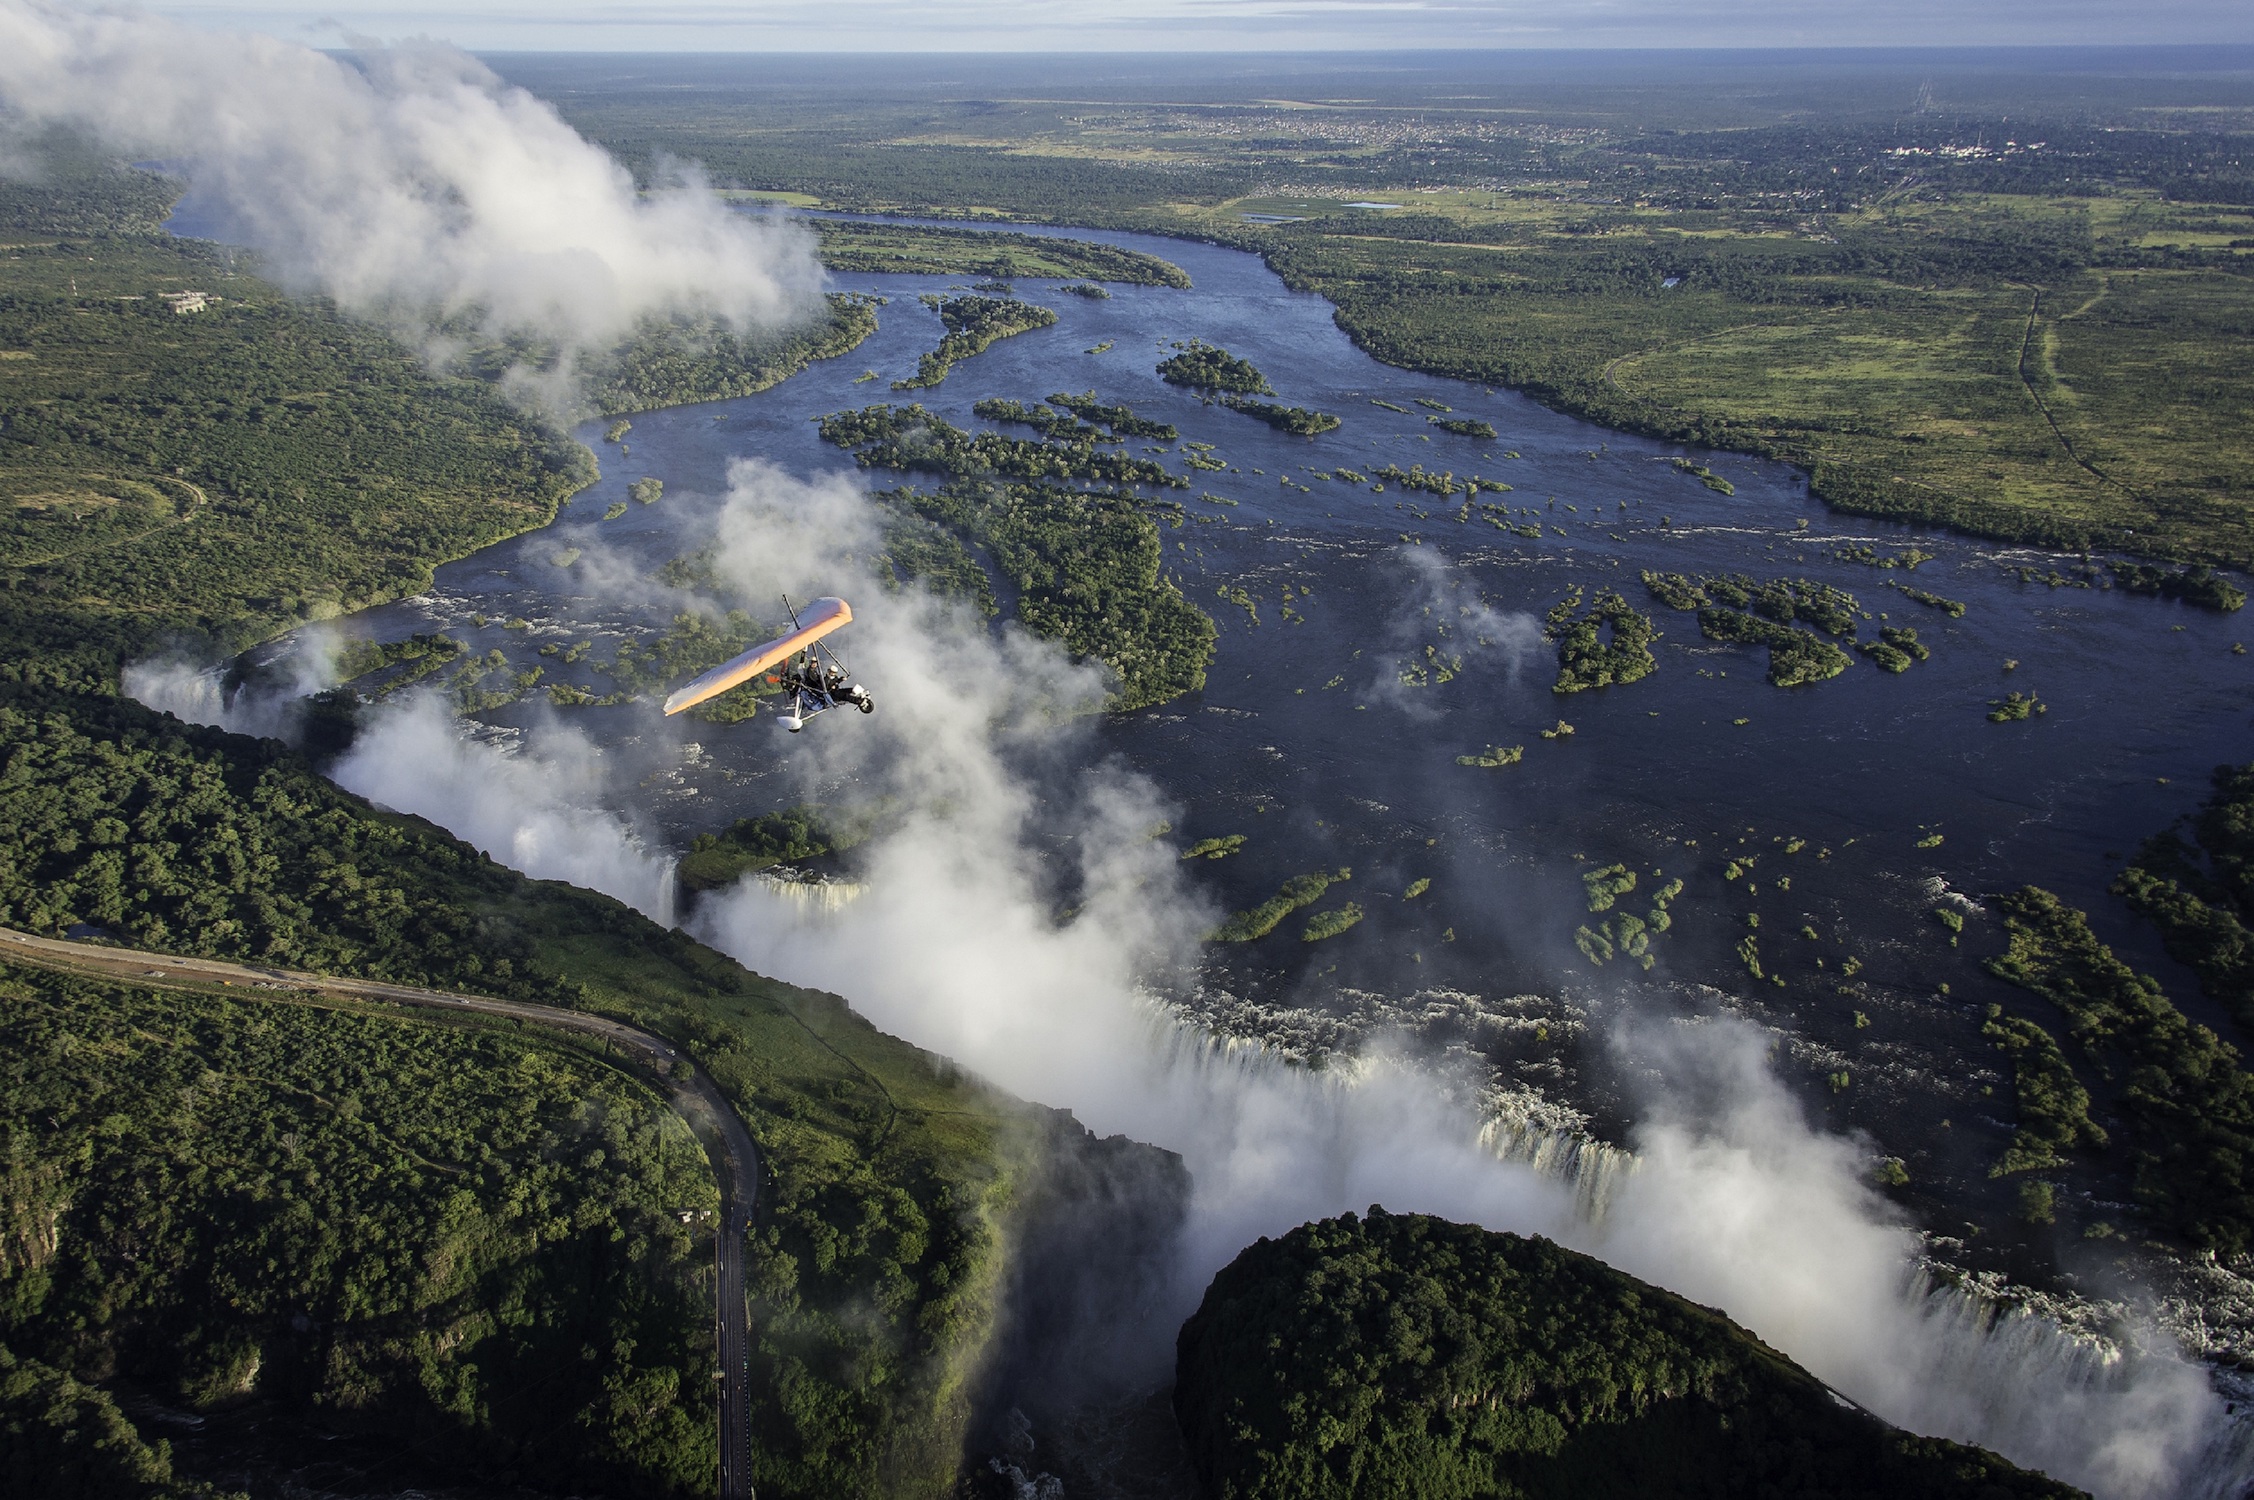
{"x": 1591, "y": 1168}
{"x": 810, "y": 897}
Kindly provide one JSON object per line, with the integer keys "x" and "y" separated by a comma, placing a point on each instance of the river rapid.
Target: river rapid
{"x": 1382, "y": 634}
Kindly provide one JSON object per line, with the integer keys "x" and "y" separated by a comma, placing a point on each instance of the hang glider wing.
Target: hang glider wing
{"x": 817, "y": 620}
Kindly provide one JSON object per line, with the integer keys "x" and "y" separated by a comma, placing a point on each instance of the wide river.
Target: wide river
{"x": 1328, "y": 738}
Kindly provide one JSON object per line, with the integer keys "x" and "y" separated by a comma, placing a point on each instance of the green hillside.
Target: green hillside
{"x": 875, "y": 1259}
{"x": 1402, "y": 1355}
{"x": 489, "y": 1245}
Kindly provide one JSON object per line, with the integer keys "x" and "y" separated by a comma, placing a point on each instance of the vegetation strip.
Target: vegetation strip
{"x": 2186, "y": 1096}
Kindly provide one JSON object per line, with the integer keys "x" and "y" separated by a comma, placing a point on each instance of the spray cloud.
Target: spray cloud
{"x": 407, "y": 183}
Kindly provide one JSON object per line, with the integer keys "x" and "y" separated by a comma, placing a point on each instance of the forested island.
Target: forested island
{"x": 1398, "y": 1355}
{"x": 923, "y": 249}
{"x": 973, "y": 324}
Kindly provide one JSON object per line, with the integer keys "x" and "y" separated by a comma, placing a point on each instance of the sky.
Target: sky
{"x": 1234, "y": 25}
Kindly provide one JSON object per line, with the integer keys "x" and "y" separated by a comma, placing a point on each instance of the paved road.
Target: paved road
{"x": 697, "y": 1100}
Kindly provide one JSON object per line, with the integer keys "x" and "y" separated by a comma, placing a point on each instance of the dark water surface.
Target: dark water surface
{"x": 1309, "y": 741}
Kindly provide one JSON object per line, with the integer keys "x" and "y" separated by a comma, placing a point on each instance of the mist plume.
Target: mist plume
{"x": 409, "y": 183}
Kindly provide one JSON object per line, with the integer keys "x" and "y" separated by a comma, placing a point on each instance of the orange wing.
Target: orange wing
{"x": 815, "y": 621}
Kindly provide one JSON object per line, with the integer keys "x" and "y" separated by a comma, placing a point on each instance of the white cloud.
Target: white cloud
{"x": 405, "y": 181}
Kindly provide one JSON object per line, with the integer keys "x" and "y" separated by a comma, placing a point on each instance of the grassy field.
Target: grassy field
{"x": 1954, "y": 375}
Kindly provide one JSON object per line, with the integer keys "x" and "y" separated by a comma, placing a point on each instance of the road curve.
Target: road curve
{"x": 735, "y": 1159}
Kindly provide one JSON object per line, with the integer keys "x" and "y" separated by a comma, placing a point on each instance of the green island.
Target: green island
{"x": 1085, "y": 567}
{"x": 1897, "y": 648}
{"x": 1205, "y": 367}
{"x": 1705, "y": 476}
{"x": 2016, "y": 707}
{"x": 1623, "y": 932}
{"x": 1299, "y": 891}
{"x": 1056, "y": 426}
{"x": 1796, "y": 657}
{"x": 1297, "y": 420}
{"x": 1469, "y": 427}
{"x": 1215, "y": 848}
{"x": 1066, "y": 418}
{"x": 973, "y": 324}
{"x": 2185, "y": 1102}
{"x": 1606, "y": 643}
{"x": 1085, "y": 564}
{"x": 1417, "y": 477}
{"x": 1783, "y": 600}
{"x": 913, "y": 440}
{"x": 2054, "y": 1108}
{"x": 1329, "y": 924}
{"x": 792, "y": 836}
{"x": 928, "y": 250}
{"x": 1120, "y": 419}
{"x": 1494, "y": 757}
{"x": 668, "y": 363}
{"x": 2197, "y": 585}
{"x": 1954, "y": 609}
{"x": 1399, "y": 1355}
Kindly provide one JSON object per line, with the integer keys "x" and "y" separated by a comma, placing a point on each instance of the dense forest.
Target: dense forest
{"x": 888, "y": 1175}
{"x": 492, "y": 1248}
{"x": 1397, "y": 1355}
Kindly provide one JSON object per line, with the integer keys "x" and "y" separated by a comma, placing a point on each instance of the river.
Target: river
{"x": 1328, "y": 738}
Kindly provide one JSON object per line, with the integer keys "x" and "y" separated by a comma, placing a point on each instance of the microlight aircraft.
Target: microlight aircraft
{"x": 813, "y": 680}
